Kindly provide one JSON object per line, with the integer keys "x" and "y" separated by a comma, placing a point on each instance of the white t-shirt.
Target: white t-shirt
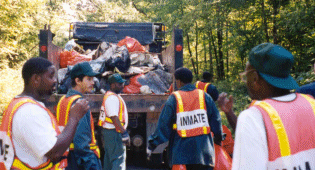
{"x": 33, "y": 134}
{"x": 112, "y": 109}
{"x": 251, "y": 149}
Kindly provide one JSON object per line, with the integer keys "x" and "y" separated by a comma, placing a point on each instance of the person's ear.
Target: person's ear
{"x": 35, "y": 80}
{"x": 77, "y": 81}
{"x": 256, "y": 80}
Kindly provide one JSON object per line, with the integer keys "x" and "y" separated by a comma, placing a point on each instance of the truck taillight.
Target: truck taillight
{"x": 43, "y": 48}
{"x": 179, "y": 48}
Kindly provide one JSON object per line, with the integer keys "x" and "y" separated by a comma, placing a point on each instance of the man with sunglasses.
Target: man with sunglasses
{"x": 278, "y": 130}
{"x": 114, "y": 120}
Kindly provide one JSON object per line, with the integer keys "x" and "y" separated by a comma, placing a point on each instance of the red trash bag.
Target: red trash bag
{"x": 223, "y": 161}
{"x": 134, "y": 86}
{"x": 228, "y": 143}
{"x": 132, "y": 44}
{"x": 72, "y": 58}
{"x": 131, "y": 89}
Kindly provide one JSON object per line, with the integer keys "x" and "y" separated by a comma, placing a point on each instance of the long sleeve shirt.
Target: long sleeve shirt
{"x": 190, "y": 150}
{"x": 82, "y": 157}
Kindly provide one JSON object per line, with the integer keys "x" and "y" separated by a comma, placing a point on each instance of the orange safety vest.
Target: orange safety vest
{"x": 62, "y": 114}
{"x": 228, "y": 143}
{"x": 191, "y": 113}
{"x": 103, "y": 115}
{"x": 8, "y": 159}
{"x": 290, "y": 129}
{"x": 203, "y": 86}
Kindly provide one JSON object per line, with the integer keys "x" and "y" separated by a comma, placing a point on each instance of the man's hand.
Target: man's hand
{"x": 149, "y": 152}
{"x": 79, "y": 109}
{"x": 125, "y": 138}
{"x": 225, "y": 104}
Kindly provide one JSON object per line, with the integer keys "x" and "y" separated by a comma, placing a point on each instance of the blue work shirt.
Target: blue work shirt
{"x": 212, "y": 91}
{"x": 82, "y": 157}
{"x": 307, "y": 89}
{"x": 190, "y": 150}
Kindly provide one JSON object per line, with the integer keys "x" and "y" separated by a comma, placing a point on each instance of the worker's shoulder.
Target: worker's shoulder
{"x": 307, "y": 87}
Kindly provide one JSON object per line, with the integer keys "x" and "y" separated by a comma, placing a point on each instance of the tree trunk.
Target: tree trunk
{"x": 210, "y": 52}
{"x": 275, "y": 13}
{"x": 220, "y": 40}
{"x": 263, "y": 14}
{"x": 190, "y": 54}
{"x": 220, "y": 62}
{"x": 215, "y": 53}
{"x": 227, "y": 52}
{"x": 196, "y": 50}
{"x": 204, "y": 52}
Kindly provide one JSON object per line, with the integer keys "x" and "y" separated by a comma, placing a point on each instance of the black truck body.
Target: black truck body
{"x": 143, "y": 110}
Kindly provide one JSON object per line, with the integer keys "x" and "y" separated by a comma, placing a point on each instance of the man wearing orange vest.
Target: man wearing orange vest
{"x": 206, "y": 85}
{"x": 29, "y": 135}
{"x": 114, "y": 120}
{"x": 84, "y": 153}
{"x": 278, "y": 130}
{"x": 188, "y": 117}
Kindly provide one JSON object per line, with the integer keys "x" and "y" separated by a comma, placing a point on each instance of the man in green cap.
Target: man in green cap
{"x": 278, "y": 130}
{"x": 114, "y": 120}
{"x": 84, "y": 152}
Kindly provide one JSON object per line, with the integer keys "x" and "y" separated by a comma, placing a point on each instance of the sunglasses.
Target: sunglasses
{"x": 243, "y": 75}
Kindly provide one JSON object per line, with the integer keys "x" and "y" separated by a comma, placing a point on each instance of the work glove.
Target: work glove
{"x": 149, "y": 152}
{"x": 125, "y": 138}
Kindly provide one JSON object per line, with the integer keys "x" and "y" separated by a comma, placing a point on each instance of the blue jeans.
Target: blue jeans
{"x": 115, "y": 150}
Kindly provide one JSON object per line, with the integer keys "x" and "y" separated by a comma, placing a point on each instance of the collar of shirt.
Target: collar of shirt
{"x": 188, "y": 87}
{"x": 72, "y": 92}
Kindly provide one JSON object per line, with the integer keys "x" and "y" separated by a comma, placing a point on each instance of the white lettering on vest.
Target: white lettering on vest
{"x": 192, "y": 119}
{"x": 303, "y": 160}
{"x": 6, "y": 150}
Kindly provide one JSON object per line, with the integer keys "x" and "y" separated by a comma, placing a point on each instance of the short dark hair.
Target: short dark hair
{"x": 73, "y": 83}
{"x": 36, "y": 65}
{"x": 207, "y": 75}
{"x": 184, "y": 75}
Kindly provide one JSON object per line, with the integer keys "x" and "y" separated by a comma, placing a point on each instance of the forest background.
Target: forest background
{"x": 218, "y": 34}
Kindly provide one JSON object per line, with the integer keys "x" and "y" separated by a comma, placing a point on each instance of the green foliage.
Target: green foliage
{"x": 305, "y": 77}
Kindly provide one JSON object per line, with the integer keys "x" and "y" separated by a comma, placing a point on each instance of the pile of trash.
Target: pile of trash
{"x": 144, "y": 72}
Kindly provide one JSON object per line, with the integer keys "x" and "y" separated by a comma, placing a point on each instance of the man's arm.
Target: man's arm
{"x": 65, "y": 138}
{"x": 112, "y": 110}
{"x": 164, "y": 127}
{"x": 214, "y": 119}
{"x": 83, "y": 155}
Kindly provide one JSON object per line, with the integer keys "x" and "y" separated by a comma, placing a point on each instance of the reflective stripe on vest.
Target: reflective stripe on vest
{"x": 63, "y": 109}
{"x": 9, "y": 159}
{"x": 121, "y": 114}
{"x": 202, "y": 86}
{"x": 290, "y": 130}
{"x": 62, "y": 114}
{"x": 191, "y": 114}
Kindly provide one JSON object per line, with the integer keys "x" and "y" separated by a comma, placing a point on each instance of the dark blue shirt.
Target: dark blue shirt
{"x": 82, "y": 157}
{"x": 190, "y": 150}
{"x": 212, "y": 91}
{"x": 307, "y": 89}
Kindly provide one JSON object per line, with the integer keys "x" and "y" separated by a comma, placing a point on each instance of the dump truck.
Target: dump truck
{"x": 143, "y": 109}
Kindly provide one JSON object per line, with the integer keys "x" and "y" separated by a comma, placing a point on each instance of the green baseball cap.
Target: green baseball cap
{"x": 116, "y": 78}
{"x": 82, "y": 68}
{"x": 273, "y": 64}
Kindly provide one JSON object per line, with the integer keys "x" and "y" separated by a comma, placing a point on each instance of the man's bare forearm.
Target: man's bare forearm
{"x": 232, "y": 119}
{"x": 117, "y": 124}
{"x": 63, "y": 141}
